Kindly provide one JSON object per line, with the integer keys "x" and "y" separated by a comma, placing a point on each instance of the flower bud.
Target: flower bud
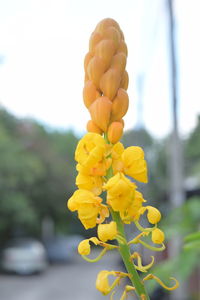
{"x": 113, "y": 34}
{"x": 95, "y": 38}
{"x": 107, "y": 231}
{"x": 110, "y": 83}
{"x": 122, "y": 48}
{"x": 92, "y": 127}
{"x": 100, "y": 112}
{"x": 124, "y": 81}
{"x": 105, "y": 50}
{"x": 119, "y": 62}
{"x": 90, "y": 93}
{"x": 121, "y": 121}
{"x": 95, "y": 70}
{"x": 88, "y": 57}
{"x": 115, "y": 131}
{"x": 105, "y": 23}
{"x": 120, "y": 105}
{"x": 157, "y": 236}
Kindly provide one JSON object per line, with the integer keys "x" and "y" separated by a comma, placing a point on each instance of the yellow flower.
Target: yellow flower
{"x": 107, "y": 231}
{"x": 84, "y": 246}
{"x": 102, "y": 283}
{"x": 116, "y": 153}
{"x": 120, "y": 193}
{"x": 99, "y": 169}
{"x": 91, "y": 183}
{"x": 153, "y": 214}
{"x": 91, "y": 155}
{"x": 134, "y": 163}
{"x": 157, "y": 236}
{"x": 89, "y": 207}
{"x": 90, "y": 149}
{"x": 132, "y": 213}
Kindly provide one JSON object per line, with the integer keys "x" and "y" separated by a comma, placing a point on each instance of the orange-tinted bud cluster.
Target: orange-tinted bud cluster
{"x": 106, "y": 80}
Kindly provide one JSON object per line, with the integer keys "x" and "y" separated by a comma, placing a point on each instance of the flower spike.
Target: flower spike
{"x": 151, "y": 276}
{"x": 104, "y": 165}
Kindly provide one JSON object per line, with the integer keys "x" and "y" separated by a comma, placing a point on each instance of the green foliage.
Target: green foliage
{"x": 183, "y": 221}
{"x": 37, "y": 174}
{"x": 192, "y": 152}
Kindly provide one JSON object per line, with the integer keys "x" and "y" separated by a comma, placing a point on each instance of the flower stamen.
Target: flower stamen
{"x": 151, "y": 276}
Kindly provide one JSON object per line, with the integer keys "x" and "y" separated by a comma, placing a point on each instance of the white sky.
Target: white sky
{"x": 43, "y": 44}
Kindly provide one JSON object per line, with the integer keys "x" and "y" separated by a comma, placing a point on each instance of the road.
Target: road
{"x": 72, "y": 281}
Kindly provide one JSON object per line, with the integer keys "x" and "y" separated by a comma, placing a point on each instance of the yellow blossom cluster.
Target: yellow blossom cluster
{"x": 94, "y": 159}
{"x": 105, "y": 166}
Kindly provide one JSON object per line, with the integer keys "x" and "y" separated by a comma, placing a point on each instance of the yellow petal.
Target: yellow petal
{"x": 157, "y": 236}
{"x": 153, "y": 215}
{"x": 107, "y": 231}
{"x": 84, "y": 247}
{"x": 134, "y": 163}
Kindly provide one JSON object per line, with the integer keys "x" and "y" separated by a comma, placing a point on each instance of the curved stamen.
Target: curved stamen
{"x": 140, "y": 267}
{"x": 120, "y": 239}
{"x": 148, "y": 229}
{"x": 136, "y": 241}
{"x": 92, "y": 260}
{"x": 127, "y": 289}
{"x": 151, "y": 276}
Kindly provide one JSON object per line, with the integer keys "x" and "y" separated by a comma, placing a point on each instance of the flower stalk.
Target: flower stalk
{"x": 104, "y": 165}
{"x": 124, "y": 250}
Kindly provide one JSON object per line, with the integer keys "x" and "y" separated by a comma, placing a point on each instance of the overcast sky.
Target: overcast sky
{"x": 43, "y": 44}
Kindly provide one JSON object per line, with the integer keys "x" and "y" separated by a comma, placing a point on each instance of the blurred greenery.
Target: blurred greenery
{"x": 37, "y": 174}
{"x": 184, "y": 222}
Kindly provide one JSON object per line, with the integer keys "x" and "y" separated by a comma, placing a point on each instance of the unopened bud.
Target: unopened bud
{"x": 95, "y": 38}
{"x": 115, "y": 131}
{"x": 90, "y": 93}
{"x": 122, "y": 48}
{"x": 120, "y": 105}
{"x": 92, "y": 127}
{"x": 113, "y": 34}
{"x": 119, "y": 62}
{"x": 100, "y": 111}
{"x": 95, "y": 70}
{"x": 87, "y": 59}
{"x": 105, "y": 50}
{"x": 105, "y": 23}
{"x": 124, "y": 81}
{"x": 110, "y": 83}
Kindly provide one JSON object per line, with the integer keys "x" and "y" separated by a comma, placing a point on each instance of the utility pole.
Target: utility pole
{"x": 177, "y": 194}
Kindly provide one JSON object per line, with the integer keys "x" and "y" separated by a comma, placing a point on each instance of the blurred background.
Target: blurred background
{"x": 42, "y": 116}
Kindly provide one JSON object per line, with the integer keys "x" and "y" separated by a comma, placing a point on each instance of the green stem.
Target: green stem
{"x": 125, "y": 254}
{"x": 124, "y": 250}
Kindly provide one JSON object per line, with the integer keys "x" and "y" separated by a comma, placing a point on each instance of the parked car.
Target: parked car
{"x": 24, "y": 256}
{"x": 62, "y": 248}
